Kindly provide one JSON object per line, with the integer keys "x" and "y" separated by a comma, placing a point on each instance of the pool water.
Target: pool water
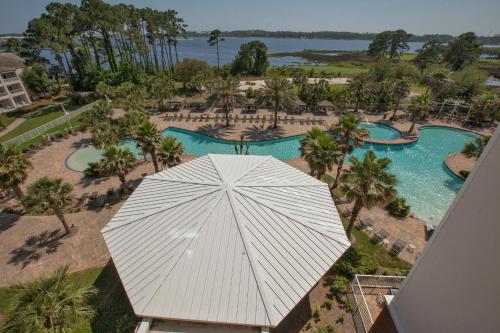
{"x": 381, "y": 131}
{"x": 424, "y": 180}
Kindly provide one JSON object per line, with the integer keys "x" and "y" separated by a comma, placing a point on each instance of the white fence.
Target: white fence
{"x": 48, "y": 126}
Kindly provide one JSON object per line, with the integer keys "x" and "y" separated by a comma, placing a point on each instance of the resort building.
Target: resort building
{"x": 224, "y": 243}
{"x": 12, "y": 91}
{"x": 454, "y": 286}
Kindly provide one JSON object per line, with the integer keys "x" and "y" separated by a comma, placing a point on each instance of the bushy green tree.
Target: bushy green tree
{"x": 193, "y": 73}
{"x": 251, "y": 59}
{"x": 463, "y": 51}
{"x": 36, "y": 79}
{"x": 430, "y": 53}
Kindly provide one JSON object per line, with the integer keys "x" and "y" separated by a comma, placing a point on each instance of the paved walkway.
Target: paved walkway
{"x": 12, "y": 125}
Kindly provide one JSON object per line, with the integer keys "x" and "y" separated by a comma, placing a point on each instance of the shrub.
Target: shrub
{"x": 464, "y": 173}
{"x": 93, "y": 170}
{"x": 307, "y": 326}
{"x": 317, "y": 314}
{"x": 353, "y": 262}
{"x": 76, "y": 99}
{"x": 326, "y": 329}
{"x": 328, "y": 303}
{"x": 398, "y": 208}
{"x": 340, "y": 286}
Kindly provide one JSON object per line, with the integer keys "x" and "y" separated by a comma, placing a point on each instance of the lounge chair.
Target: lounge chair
{"x": 380, "y": 235}
{"x": 365, "y": 223}
{"x": 397, "y": 247}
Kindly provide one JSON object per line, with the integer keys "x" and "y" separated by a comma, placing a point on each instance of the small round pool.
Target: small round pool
{"x": 80, "y": 159}
{"x": 380, "y": 131}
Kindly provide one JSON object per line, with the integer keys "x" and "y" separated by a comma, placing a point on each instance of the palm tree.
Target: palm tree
{"x": 214, "y": 39}
{"x": 51, "y": 196}
{"x": 131, "y": 121}
{"x": 277, "y": 94}
{"x": 401, "y": 89}
{"x": 49, "y": 304}
{"x": 350, "y": 135}
{"x": 419, "y": 107}
{"x": 475, "y": 148}
{"x": 368, "y": 184}
{"x": 225, "y": 94}
{"x": 117, "y": 162}
{"x": 13, "y": 169}
{"x": 106, "y": 133}
{"x": 320, "y": 152}
{"x": 358, "y": 86}
{"x": 170, "y": 151}
{"x": 101, "y": 112}
{"x": 148, "y": 138}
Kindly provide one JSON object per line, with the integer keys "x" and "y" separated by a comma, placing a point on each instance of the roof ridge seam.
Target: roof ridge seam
{"x": 161, "y": 210}
{"x": 279, "y": 211}
{"x": 152, "y": 177}
{"x": 253, "y": 168}
{"x": 260, "y": 286}
{"x": 166, "y": 274}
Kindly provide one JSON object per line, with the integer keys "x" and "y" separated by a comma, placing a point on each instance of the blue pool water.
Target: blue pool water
{"x": 381, "y": 131}
{"x": 424, "y": 181}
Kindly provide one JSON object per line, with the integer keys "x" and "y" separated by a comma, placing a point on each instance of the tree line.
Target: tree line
{"x": 84, "y": 38}
{"x": 443, "y": 38}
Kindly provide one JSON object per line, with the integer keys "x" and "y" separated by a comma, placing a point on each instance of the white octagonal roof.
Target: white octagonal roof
{"x": 225, "y": 238}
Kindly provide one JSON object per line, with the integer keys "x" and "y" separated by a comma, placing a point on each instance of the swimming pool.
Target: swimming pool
{"x": 380, "y": 131}
{"x": 424, "y": 181}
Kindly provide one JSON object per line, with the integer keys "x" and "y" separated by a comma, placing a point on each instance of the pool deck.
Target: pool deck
{"x": 31, "y": 245}
{"x": 457, "y": 162}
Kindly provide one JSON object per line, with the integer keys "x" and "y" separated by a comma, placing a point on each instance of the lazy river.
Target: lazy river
{"x": 424, "y": 180}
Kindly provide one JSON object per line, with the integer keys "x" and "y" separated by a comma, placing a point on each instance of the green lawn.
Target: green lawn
{"x": 75, "y": 123}
{"x": 36, "y": 120}
{"x": 113, "y": 310}
{"x": 341, "y": 69}
{"x": 364, "y": 245}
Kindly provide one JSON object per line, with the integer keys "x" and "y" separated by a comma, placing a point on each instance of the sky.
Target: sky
{"x": 415, "y": 16}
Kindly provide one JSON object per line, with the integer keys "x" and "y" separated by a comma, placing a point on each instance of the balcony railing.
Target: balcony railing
{"x": 3, "y": 93}
{"x": 368, "y": 290}
{"x": 15, "y": 91}
{"x": 10, "y": 79}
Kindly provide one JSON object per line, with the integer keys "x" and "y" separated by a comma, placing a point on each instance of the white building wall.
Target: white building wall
{"x": 455, "y": 286}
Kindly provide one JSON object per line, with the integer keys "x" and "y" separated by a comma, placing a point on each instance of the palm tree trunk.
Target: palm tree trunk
{"x": 275, "y": 118}
{"x": 217, "y": 45}
{"x": 355, "y": 212}
{"x": 61, "y": 218}
{"x": 356, "y": 106}
{"x": 123, "y": 181}
{"x": 339, "y": 170}
{"x": 395, "y": 108}
{"x": 155, "y": 160}
{"x": 18, "y": 191}
{"x": 412, "y": 125}
{"x": 227, "y": 117}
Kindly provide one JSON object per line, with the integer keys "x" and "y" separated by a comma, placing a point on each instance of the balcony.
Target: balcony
{"x": 16, "y": 91}
{"x": 10, "y": 79}
{"x": 371, "y": 294}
